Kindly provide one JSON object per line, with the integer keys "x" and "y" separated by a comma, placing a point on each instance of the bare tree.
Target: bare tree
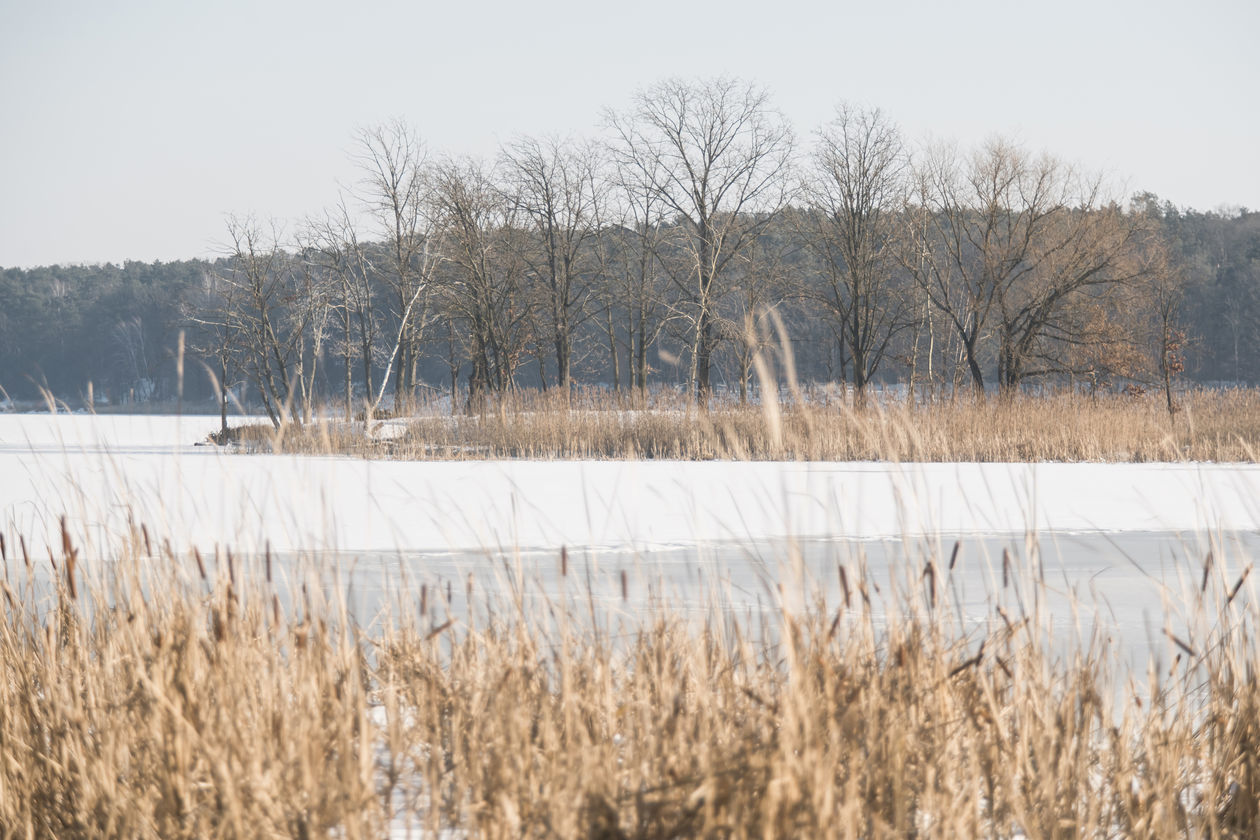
{"x": 325, "y": 245}
{"x": 1021, "y": 249}
{"x": 132, "y": 357}
{"x": 262, "y": 281}
{"x": 212, "y": 312}
{"x": 761, "y": 278}
{"x": 1161, "y": 298}
{"x": 717, "y": 156}
{"x": 335, "y": 244}
{"x": 632, "y": 278}
{"x": 1080, "y": 311}
{"x": 393, "y": 161}
{"x": 483, "y": 281}
{"x": 856, "y": 193}
{"x": 557, "y": 190}
{"x": 313, "y": 305}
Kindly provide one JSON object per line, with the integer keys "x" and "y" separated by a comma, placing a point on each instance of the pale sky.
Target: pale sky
{"x": 129, "y": 129}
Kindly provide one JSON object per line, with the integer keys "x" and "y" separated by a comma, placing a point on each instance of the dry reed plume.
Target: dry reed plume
{"x": 145, "y": 696}
{"x": 1210, "y": 426}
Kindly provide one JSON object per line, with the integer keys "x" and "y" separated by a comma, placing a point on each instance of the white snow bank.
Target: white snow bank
{"x": 51, "y": 466}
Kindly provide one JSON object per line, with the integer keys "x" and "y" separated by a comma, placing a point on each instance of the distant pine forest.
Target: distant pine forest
{"x": 698, "y": 246}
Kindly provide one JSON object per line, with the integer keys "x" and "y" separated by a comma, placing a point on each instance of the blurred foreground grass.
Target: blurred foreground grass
{"x": 145, "y": 695}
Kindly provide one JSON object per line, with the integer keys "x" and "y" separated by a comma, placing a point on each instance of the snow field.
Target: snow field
{"x": 103, "y": 471}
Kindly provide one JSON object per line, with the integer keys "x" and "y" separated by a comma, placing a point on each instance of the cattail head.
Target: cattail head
{"x": 70, "y": 579}
{"x": 65, "y": 539}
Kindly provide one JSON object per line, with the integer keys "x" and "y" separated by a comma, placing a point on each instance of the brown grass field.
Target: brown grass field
{"x": 1222, "y": 426}
{"x": 143, "y": 696}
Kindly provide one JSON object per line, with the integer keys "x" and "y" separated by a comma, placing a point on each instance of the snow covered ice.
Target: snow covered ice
{"x": 102, "y": 472}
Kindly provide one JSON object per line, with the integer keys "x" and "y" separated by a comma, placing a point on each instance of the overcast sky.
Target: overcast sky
{"x": 129, "y": 129}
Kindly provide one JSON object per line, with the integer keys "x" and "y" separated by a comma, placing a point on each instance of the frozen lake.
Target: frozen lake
{"x": 102, "y": 472}
{"x": 1129, "y": 586}
{"x": 1116, "y": 542}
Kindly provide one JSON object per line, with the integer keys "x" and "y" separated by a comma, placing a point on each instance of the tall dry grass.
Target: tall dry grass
{"x": 1219, "y": 426}
{"x": 148, "y": 696}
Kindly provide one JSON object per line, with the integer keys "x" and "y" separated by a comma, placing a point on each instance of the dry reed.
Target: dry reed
{"x": 1210, "y": 426}
{"x": 145, "y": 696}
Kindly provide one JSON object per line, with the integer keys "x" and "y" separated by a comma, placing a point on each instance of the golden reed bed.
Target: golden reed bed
{"x": 1222, "y": 426}
{"x": 145, "y": 695}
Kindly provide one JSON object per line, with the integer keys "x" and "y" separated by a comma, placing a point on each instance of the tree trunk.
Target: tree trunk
{"x": 452, "y": 361}
{"x": 745, "y": 365}
{"x": 641, "y": 357}
{"x": 973, "y": 364}
{"x": 614, "y": 362}
{"x": 704, "y": 358}
{"x": 223, "y": 396}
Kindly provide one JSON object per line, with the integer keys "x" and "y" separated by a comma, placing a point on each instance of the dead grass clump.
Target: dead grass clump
{"x": 152, "y": 707}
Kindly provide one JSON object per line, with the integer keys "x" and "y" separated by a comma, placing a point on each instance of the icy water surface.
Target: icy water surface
{"x": 1120, "y": 553}
{"x": 1125, "y": 589}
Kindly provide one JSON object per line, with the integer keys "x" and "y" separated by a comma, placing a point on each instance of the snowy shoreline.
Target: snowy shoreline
{"x": 99, "y": 471}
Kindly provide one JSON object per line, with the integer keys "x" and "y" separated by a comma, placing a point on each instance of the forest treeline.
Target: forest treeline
{"x": 697, "y": 233}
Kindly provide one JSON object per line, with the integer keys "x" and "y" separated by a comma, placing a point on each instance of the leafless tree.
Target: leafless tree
{"x": 1020, "y": 248}
{"x": 314, "y": 302}
{"x": 132, "y": 355}
{"x": 760, "y": 277}
{"x": 855, "y": 194}
{"x": 393, "y": 161}
{"x": 335, "y": 244}
{"x": 632, "y": 280}
{"x": 212, "y": 312}
{"x": 557, "y": 191}
{"x": 716, "y": 155}
{"x": 262, "y": 281}
{"x": 482, "y": 283}
{"x": 1155, "y": 315}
